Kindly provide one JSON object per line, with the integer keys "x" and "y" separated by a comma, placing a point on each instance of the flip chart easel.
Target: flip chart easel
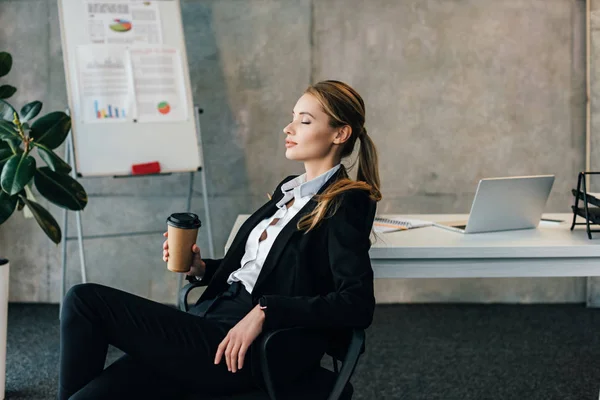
{"x": 129, "y": 93}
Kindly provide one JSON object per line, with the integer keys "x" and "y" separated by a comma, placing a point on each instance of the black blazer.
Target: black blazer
{"x": 319, "y": 279}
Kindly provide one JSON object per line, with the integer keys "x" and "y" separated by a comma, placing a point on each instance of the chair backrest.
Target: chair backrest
{"x": 338, "y": 346}
{"x": 273, "y": 368}
{"x": 349, "y": 359}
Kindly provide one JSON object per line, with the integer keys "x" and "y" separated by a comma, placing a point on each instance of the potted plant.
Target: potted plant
{"x": 20, "y": 135}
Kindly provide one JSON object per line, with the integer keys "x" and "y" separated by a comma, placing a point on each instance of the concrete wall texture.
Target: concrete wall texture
{"x": 455, "y": 90}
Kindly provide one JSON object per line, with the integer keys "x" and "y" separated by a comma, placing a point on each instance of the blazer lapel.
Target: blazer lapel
{"x": 232, "y": 258}
{"x": 286, "y": 233}
{"x": 239, "y": 243}
{"x": 238, "y": 246}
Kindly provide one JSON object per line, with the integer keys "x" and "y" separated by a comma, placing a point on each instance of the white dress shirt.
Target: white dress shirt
{"x": 256, "y": 251}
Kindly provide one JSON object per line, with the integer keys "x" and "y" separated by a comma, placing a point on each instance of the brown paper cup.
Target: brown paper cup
{"x": 183, "y": 231}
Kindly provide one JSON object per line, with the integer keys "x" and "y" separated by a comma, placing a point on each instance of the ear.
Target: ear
{"x": 343, "y": 135}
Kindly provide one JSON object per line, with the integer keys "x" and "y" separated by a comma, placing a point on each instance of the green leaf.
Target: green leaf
{"x": 17, "y": 172}
{"x": 7, "y": 149}
{"x": 6, "y": 91}
{"x": 60, "y": 189}
{"x": 7, "y": 205}
{"x": 14, "y": 144}
{"x": 5, "y": 154}
{"x": 7, "y": 111}
{"x": 30, "y": 111}
{"x": 5, "y": 63}
{"x": 45, "y": 220}
{"x": 53, "y": 160}
{"x": 51, "y": 129}
{"x": 8, "y": 131}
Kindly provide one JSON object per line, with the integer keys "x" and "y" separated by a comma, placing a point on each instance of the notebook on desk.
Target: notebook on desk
{"x": 392, "y": 223}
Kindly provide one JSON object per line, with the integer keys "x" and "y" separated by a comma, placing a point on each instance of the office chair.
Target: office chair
{"x": 319, "y": 384}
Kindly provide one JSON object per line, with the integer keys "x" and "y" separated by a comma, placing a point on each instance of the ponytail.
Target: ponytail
{"x": 368, "y": 165}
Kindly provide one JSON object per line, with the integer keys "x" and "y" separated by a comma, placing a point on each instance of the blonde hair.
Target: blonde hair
{"x": 344, "y": 106}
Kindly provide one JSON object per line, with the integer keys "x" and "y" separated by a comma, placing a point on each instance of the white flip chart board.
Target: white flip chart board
{"x": 128, "y": 86}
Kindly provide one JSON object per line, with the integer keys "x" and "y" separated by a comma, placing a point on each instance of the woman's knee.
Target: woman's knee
{"x": 78, "y": 295}
{"x": 79, "y": 291}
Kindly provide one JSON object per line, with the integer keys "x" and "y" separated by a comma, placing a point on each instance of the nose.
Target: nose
{"x": 288, "y": 129}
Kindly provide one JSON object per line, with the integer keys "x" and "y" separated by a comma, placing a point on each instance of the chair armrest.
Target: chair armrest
{"x": 185, "y": 291}
{"x": 282, "y": 355}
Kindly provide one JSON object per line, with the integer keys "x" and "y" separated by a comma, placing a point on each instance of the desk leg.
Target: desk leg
{"x": 592, "y": 295}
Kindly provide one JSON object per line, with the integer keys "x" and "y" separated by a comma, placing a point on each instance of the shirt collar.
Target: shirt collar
{"x": 299, "y": 187}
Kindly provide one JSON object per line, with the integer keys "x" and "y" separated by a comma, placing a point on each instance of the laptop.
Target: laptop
{"x": 503, "y": 204}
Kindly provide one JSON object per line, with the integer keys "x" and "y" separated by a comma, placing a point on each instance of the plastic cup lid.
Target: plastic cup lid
{"x": 184, "y": 221}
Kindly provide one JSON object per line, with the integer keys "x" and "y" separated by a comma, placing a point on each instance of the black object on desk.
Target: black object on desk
{"x": 591, "y": 214}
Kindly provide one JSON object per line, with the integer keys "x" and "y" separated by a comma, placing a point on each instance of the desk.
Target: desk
{"x": 551, "y": 250}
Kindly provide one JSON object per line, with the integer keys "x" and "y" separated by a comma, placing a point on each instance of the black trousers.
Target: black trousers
{"x": 169, "y": 353}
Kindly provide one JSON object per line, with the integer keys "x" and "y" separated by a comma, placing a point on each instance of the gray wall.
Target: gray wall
{"x": 456, "y": 91}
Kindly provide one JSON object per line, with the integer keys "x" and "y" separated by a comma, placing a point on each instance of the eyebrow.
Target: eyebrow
{"x": 304, "y": 112}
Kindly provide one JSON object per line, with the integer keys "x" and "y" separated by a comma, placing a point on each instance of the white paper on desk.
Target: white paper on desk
{"x": 550, "y": 223}
{"x": 393, "y": 223}
{"x": 384, "y": 229}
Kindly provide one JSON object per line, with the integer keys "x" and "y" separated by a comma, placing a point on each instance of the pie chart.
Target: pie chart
{"x": 164, "y": 107}
{"x": 121, "y": 25}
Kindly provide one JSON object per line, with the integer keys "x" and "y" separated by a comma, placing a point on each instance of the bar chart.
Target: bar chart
{"x": 108, "y": 111}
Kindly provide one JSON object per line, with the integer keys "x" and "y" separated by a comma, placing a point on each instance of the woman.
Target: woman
{"x": 300, "y": 260}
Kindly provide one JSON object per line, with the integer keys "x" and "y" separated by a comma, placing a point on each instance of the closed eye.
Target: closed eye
{"x": 303, "y": 122}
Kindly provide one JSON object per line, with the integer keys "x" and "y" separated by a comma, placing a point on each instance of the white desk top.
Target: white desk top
{"x": 549, "y": 240}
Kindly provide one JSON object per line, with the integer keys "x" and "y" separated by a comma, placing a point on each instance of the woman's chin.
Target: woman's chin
{"x": 289, "y": 154}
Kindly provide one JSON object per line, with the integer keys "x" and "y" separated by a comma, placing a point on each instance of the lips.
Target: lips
{"x": 289, "y": 143}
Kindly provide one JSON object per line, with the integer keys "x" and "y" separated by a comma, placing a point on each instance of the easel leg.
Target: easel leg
{"x": 80, "y": 241}
{"x": 207, "y": 220}
{"x": 78, "y": 216}
{"x": 70, "y": 159}
{"x": 211, "y": 246}
{"x": 63, "y": 281}
{"x": 65, "y": 230}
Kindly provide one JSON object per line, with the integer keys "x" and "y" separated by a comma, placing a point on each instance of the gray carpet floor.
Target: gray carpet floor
{"x": 416, "y": 352}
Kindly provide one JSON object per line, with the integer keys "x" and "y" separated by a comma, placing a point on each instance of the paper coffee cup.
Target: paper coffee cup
{"x": 183, "y": 230}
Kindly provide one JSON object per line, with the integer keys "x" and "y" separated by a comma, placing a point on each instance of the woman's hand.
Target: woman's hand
{"x": 239, "y": 338}
{"x": 198, "y": 267}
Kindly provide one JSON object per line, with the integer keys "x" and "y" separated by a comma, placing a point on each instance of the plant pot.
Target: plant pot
{"x": 4, "y": 267}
